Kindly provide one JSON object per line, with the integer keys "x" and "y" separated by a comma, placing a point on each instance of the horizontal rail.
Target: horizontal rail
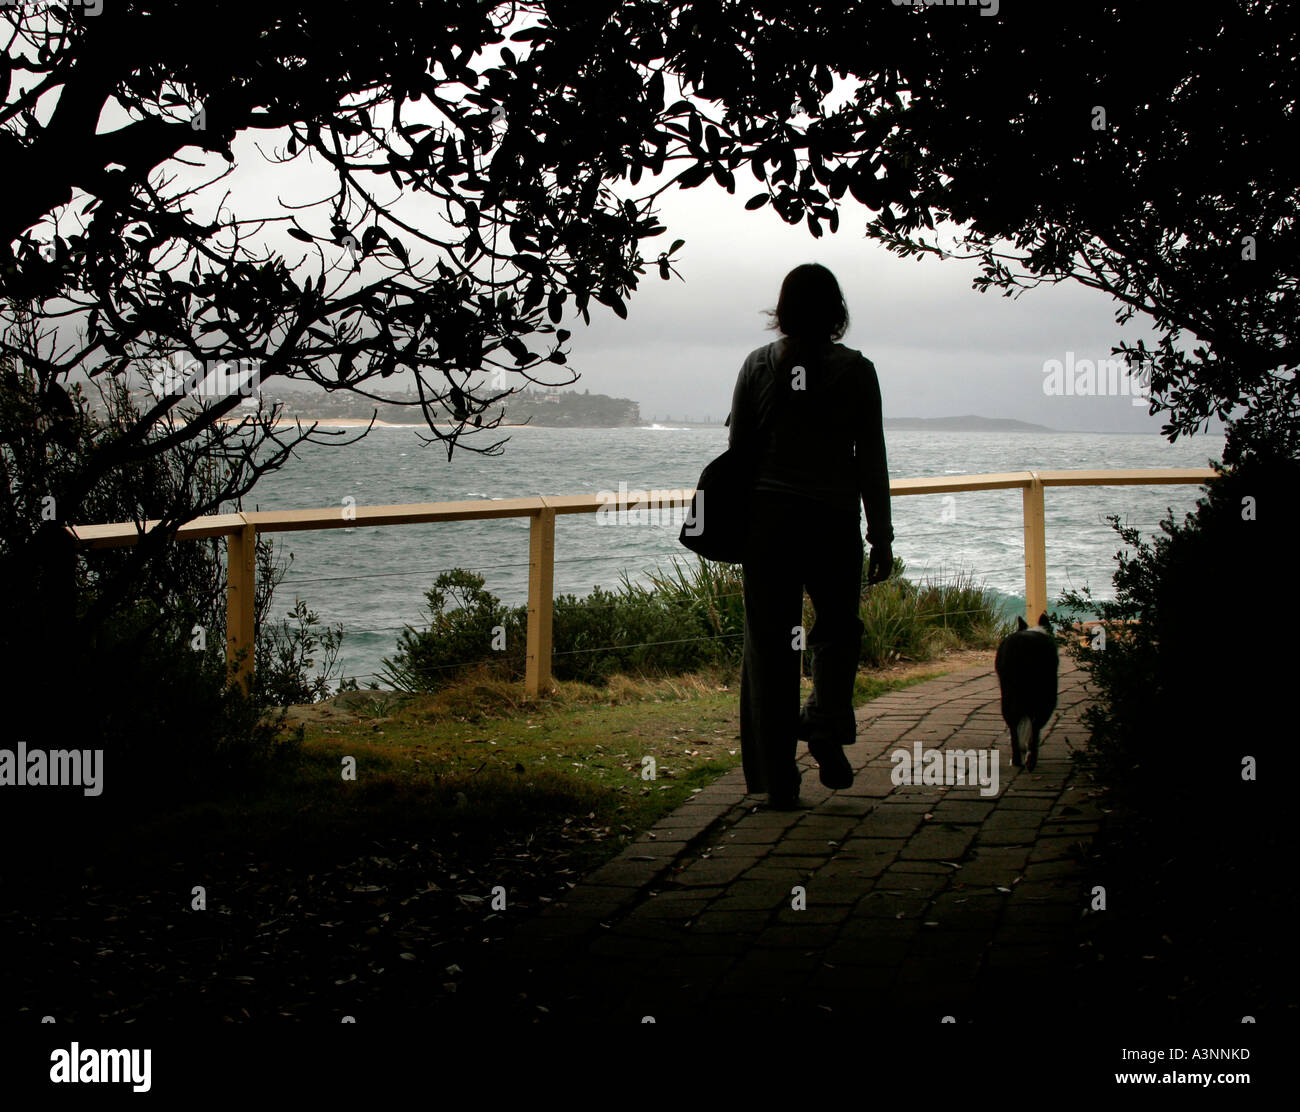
{"x": 418, "y": 513}
{"x": 241, "y": 530}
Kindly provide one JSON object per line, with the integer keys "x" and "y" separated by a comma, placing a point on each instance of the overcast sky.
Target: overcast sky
{"x": 940, "y": 348}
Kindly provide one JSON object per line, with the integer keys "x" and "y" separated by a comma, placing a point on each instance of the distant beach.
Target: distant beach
{"x": 350, "y": 423}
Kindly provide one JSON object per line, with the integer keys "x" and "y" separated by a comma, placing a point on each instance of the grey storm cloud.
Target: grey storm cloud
{"x": 941, "y": 347}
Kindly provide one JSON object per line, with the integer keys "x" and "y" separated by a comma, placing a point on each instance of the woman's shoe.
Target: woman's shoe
{"x": 833, "y": 766}
{"x": 787, "y": 799}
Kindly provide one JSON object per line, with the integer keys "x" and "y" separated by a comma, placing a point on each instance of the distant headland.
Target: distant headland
{"x": 541, "y": 408}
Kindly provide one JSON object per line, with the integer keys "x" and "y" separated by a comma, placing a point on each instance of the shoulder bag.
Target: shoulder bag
{"x": 725, "y": 485}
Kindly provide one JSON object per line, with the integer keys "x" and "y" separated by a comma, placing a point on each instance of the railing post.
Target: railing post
{"x": 1035, "y": 549}
{"x": 541, "y": 597}
{"x": 241, "y": 613}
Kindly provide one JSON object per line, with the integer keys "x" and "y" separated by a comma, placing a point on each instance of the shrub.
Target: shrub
{"x": 632, "y": 632}
{"x": 711, "y": 594}
{"x": 170, "y": 728}
{"x": 287, "y": 655}
{"x": 688, "y": 617}
{"x": 465, "y": 622}
{"x": 1198, "y": 684}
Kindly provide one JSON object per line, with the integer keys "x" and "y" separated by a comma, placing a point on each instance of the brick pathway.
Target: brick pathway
{"x": 920, "y": 900}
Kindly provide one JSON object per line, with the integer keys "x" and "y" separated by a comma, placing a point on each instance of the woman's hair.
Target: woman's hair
{"x": 811, "y": 306}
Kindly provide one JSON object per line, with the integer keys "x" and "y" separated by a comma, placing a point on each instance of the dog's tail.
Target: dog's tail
{"x": 1024, "y": 737}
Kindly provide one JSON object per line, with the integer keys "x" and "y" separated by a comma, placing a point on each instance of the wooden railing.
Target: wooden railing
{"x": 241, "y": 530}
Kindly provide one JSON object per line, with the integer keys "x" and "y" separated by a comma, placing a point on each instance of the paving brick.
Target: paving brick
{"x": 841, "y": 804}
{"x": 826, "y": 827}
{"x": 595, "y": 898}
{"x": 1054, "y": 870}
{"x": 994, "y": 865}
{"x": 868, "y": 845}
{"x": 805, "y": 863}
{"x": 727, "y": 922}
{"x": 656, "y": 848}
{"x": 683, "y": 825}
{"x": 711, "y": 871}
{"x": 688, "y": 937}
{"x": 878, "y": 904}
{"x": 938, "y": 845}
{"x": 818, "y": 848}
{"x": 1076, "y": 830}
{"x": 923, "y": 797}
{"x": 961, "y": 811}
{"x": 813, "y": 913}
{"x": 1057, "y": 849}
{"x": 1012, "y": 836}
{"x": 640, "y": 924}
{"x": 967, "y": 911}
{"x": 847, "y": 866}
{"x": 1011, "y": 802}
{"x": 911, "y": 884}
{"x": 674, "y": 905}
{"x": 934, "y": 868}
{"x": 1010, "y": 818}
{"x": 627, "y": 874}
{"x": 888, "y": 822}
{"x": 755, "y": 904}
{"x": 748, "y": 835}
{"x": 867, "y": 865}
{"x": 832, "y": 891}
{"x": 871, "y": 783}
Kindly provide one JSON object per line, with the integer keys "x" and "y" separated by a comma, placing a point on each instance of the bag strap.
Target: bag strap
{"x": 767, "y": 429}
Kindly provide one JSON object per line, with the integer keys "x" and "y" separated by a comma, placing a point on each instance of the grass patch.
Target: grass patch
{"x": 327, "y": 897}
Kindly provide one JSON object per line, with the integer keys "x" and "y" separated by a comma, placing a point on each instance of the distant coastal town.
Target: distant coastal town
{"x": 529, "y": 406}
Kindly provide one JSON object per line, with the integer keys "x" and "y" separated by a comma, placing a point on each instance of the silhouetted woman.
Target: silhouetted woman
{"x": 807, "y": 411}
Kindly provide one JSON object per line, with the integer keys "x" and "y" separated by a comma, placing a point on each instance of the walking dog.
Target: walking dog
{"x": 1026, "y": 665}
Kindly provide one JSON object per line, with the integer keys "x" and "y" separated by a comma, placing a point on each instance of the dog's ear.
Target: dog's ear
{"x": 1045, "y": 621}
{"x": 1021, "y": 624}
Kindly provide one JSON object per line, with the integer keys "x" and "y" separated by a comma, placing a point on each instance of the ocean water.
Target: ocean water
{"x": 373, "y": 580}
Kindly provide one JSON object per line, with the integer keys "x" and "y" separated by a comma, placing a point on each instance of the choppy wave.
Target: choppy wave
{"x": 373, "y": 580}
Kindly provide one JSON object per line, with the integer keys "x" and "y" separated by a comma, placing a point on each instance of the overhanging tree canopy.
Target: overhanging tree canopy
{"x": 958, "y": 116}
